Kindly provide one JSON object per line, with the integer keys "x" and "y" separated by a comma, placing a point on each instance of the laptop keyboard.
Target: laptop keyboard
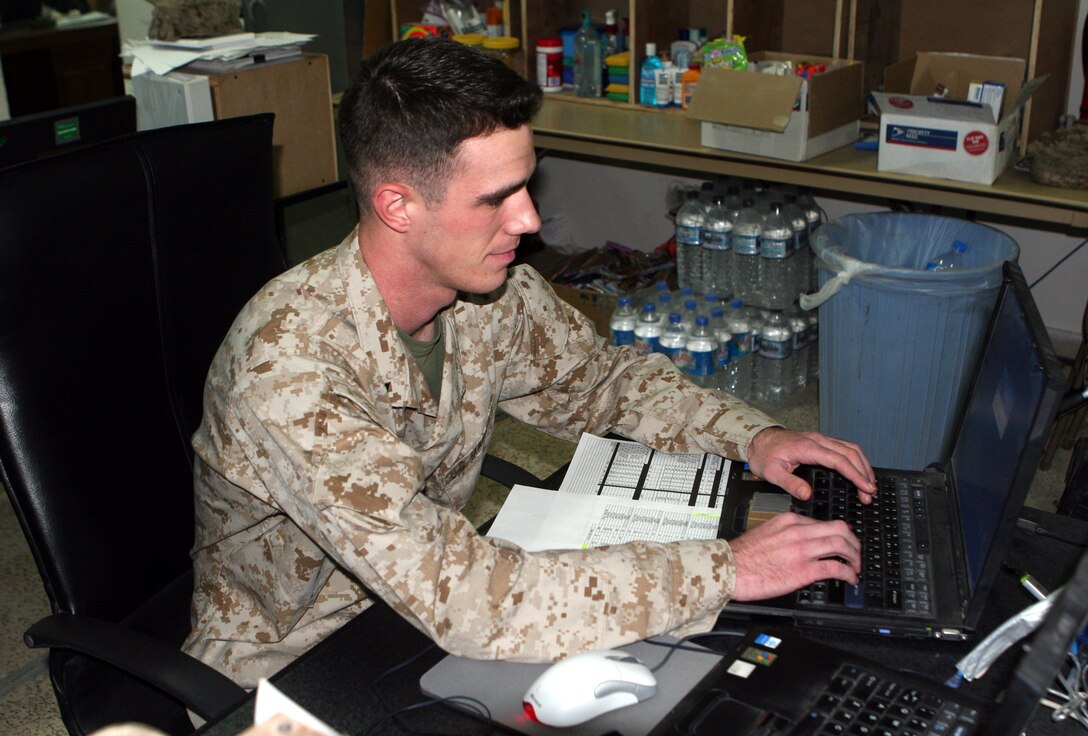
{"x": 893, "y": 531}
{"x": 859, "y": 702}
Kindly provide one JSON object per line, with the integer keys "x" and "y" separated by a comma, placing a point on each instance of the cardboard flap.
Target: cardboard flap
{"x": 955, "y": 72}
{"x": 836, "y": 99}
{"x": 1022, "y": 99}
{"x": 768, "y": 100}
{"x": 897, "y": 77}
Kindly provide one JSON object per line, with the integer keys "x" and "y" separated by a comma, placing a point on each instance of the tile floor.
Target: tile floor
{"x": 27, "y": 707}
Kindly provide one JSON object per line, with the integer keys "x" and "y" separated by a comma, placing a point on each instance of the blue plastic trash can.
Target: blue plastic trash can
{"x": 898, "y": 344}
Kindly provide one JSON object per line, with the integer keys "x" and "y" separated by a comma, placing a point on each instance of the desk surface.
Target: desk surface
{"x": 344, "y": 679}
{"x": 670, "y": 140}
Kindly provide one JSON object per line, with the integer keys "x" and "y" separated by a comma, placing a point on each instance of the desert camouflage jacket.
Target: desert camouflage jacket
{"x": 327, "y": 474}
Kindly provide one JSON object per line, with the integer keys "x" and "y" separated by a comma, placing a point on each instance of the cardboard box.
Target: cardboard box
{"x": 924, "y": 134}
{"x": 298, "y": 91}
{"x": 598, "y": 307}
{"x": 783, "y": 117}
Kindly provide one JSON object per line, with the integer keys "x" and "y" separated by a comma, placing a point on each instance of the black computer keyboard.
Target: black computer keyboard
{"x": 864, "y": 704}
{"x": 893, "y": 530}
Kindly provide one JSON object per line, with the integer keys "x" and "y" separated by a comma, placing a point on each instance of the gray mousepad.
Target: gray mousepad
{"x": 501, "y": 686}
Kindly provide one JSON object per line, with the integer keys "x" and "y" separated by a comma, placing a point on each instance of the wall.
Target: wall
{"x": 600, "y": 203}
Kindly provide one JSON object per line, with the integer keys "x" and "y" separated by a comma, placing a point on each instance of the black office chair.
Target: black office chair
{"x": 126, "y": 263}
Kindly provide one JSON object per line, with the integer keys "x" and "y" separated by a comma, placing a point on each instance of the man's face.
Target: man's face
{"x": 469, "y": 239}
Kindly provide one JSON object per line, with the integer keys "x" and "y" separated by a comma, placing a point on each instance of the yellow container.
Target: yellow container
{"x": 470, "y": 39}
{"x": 506, "y": 49}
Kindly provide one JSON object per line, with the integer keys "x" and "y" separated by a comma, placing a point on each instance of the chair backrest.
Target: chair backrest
{"x": 123, "y": 266}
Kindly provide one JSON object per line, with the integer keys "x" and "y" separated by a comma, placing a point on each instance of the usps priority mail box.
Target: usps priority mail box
{"x": 948, "y": 139}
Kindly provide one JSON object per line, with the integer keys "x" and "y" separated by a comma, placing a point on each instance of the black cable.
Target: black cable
{"x": 1032, "y": 528}
{"x": 679, "y": 644}
{"x": 472, "y": 704}
{"x": 393, "y": 714}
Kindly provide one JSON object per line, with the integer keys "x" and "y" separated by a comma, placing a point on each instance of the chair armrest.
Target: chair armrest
{"x": 507, "y": 473}
{"x": 198, "y": 686}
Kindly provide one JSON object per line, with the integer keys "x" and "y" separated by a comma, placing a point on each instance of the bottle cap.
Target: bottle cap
{"x": 549, "y": 43}
{"x": 651, "y": 48}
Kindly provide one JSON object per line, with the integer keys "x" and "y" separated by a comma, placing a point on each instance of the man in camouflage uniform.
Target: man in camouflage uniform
{"x": 349, "y": 408}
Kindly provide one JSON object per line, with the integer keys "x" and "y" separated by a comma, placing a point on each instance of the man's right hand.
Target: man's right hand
{"x": 789, "y": 552}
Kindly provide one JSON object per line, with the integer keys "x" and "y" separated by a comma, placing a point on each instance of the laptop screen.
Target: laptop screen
{"x": 999, "y": 442}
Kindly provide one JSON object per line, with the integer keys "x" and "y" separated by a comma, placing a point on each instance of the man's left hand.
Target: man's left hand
{"x": 774, "y": 453}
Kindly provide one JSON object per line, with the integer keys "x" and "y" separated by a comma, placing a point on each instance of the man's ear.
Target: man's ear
{"x": 391, "y": 205}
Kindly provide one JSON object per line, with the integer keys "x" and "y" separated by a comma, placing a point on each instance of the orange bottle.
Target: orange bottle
{"x": 690, "y": 81}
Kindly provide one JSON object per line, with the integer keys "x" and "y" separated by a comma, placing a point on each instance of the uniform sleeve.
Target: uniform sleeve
{"x": 565, "y": 379}
{"x": 356, "y": 490}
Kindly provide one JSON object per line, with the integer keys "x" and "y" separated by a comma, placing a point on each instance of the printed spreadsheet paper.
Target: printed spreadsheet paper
{"x": 618, "y": 491}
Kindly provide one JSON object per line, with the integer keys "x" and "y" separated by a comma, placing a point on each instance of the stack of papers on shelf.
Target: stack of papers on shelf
{"x": 215, "y": 54}
{"x": 617, "y": 491}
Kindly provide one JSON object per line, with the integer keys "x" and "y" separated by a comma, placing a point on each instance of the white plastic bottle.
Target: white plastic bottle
{"x": 701, "y": 347}
{"x": 746, "y": 231}
{"x": 648, "y": 330}
{"x": 663, "y": 82}
{"x": 772, "y": 370}
{"x": 673, "y": 338}
{"x": 718, "y": 249}
{"x": 949, "y": 260}
{"x": 587, "y": 59}
{"x": 689, "y": 242}
{"x": 622, "y": 324}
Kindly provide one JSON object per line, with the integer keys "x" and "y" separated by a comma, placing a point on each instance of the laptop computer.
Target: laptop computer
{"x": 932, "y": 546}
{"x": 778, "y": 681}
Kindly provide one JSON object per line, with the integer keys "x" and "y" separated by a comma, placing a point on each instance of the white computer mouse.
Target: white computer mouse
{"x": 586, "y": 685}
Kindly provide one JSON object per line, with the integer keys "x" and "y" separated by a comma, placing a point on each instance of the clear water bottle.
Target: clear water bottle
{"x": 674, "y": 338}
{"x": 689, "y": 242}
{"x": 799, "y": 353}
{"x": 723, "y": 356}
{"x": 776, "y": 281}
{"x": 738, "y": 381}
{"x": 689, "y": 313}
{"x": 813, "y": 320}
{"x": 701, "y": 347}
{"x": 587, "y": 59}
{"x": 649, "y": 294}
{"x": 772, "y": 370}
{"x": 647, "y": 78}
{"x": 710, "y": 303}
{"x": 949, "y": 260}
{"x": 664, "y": 307}
{"x": 622, "y": 325}
{"x": 814, "y": 215}
{"x": 746, "y": 230}
{"x": 801, "y": 252}
{"x": 648, "y": 330}
{"x": 717, "y": 248}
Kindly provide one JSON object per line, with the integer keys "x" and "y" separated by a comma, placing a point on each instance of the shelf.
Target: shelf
{"x": 634, "y": 136}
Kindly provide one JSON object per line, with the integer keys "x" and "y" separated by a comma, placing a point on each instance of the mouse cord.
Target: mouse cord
{"x": 476, "y": 707}
{"x": 680, "y": 644}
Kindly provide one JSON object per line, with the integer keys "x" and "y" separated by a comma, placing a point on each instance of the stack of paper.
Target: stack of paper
{"x": 215, "y": 54}
{"x": 617, "y": 491}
